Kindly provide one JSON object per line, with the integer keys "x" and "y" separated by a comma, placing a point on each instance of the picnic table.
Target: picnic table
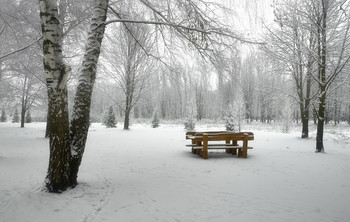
{"x": 201, "y": 142}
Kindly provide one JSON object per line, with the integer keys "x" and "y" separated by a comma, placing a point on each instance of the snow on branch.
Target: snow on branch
{"x": 21, "y": 49}
{"x": 222, "y": 32}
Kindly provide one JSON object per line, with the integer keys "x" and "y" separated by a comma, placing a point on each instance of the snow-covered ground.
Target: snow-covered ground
{"x": 148, "y": 174}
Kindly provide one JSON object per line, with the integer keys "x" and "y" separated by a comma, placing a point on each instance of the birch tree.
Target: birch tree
{"x": 67, "y": 141}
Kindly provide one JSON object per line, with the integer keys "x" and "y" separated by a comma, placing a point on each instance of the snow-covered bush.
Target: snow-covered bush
{"x": 3, "y": 117}
{"x": 109, "y": 118}
{"x": 155, "y": 121}
{"x": 190, "y": 114}
{"x": 235, "y": 115}
{"x": 190, "y": 124}
{"x": 15, "y": 118}
{"x": 230, "y": 121}
{"x": 286, "y": 116}
{"x": 28, "y": 117}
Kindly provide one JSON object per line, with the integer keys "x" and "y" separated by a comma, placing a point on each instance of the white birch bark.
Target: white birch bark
{"x": 81, "y": 110}
{"x": 56, "y": 72}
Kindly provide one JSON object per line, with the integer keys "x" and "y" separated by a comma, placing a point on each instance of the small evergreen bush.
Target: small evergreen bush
{"x": 15, "y": 118}
{"x": 28, "y": 117}
{"x": 230, "y": 121}
{"x": 109, "y": 118}
{"x": 190, "y": 124}
{"x": 3, "y": 117}
{"x": 155, "y": 121}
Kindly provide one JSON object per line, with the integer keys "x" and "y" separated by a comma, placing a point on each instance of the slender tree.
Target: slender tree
{"x": 332, "y": 26}
{"x": 293, "y": 43}
{"x": 131, "y": 66}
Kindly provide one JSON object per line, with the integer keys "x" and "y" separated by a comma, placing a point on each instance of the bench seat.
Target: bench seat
{"x": 221, "y": 147}
{"x": 218, "y": 144}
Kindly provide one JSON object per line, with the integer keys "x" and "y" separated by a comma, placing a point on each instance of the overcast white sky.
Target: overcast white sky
{"x": 252, "y": 15}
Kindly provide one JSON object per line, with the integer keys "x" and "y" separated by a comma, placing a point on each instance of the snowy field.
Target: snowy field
{"x": 148, "y": 174}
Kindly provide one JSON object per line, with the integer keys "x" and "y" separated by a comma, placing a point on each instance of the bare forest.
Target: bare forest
{"x": 69, "y": 63}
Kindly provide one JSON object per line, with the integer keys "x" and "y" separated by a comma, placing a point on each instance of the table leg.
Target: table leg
{"x": 228, "y": 150}
{"x": 234, "y": 151}
{"x": 244, "y": 152}
{"x": 205, "y": 147}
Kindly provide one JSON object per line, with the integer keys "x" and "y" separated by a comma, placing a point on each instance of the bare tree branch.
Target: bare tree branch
{"x": 20, "y": 49}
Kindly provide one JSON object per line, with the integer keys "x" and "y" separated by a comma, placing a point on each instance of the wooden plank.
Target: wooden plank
{"x": 221, "y": 147}
{"x": 217, "y": 144}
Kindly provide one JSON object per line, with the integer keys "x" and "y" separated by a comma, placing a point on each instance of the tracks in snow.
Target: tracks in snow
{"x": 107, "y": 190}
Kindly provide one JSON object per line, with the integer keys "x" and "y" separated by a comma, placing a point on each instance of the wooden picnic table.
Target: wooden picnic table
{"x": 201, "y": 142}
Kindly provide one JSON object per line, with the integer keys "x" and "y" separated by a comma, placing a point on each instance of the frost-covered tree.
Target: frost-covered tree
{"x": 230, "y": 121}
{"x": 109, "y": 118}
{"x": 128, "y": 64}
{"x": 190, "y": 123}
{"x": 286, "y": 114}
{"x": 15, "y": 117}
{"x": 190, "y": 114}
{"x": 292, "y": 43}
{"x": 3, "y": 117}
{"x": 21, "y": 63}
{"x": 331, "y": 26}
{"x": 28, "y": 117}
{"x": 155, "y": 121}
{"x": 235, "y": 116}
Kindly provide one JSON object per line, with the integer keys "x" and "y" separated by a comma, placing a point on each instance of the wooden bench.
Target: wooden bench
{"x": 202, "y": 142}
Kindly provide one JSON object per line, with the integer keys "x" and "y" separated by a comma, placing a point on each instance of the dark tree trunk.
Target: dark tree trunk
{"x": 81, "y": 110}
{"x": 129, "y": 95}
{"x": 57, "y": 178}
{"x": 349, "y": 114}
{"x": 47, "y": 131}
{"x": 127, "y": 119}
{"x": 305, "y": 129}
{"x": 23, "y": 100}
{"x": 322, "y": 78}
{"x": 79, "y": 128}
{"x": 23, "y": 115}
{"x": 320, "y": 123}
{"x": 306, "y": 110}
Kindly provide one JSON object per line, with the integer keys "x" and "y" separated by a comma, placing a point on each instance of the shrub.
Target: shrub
{"x": 155, "y": 121}
{"x": 15, "y": 118}
{"x": 3, "y": 117}
{"x": 190, "y": 124}
{"x": 230, "y": 122}
{"x": 109, "y": 118}
{"x": 28, "y": 117}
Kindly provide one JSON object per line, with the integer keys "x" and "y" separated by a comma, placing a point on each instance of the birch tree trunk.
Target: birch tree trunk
{"x": 56, "y": 72}
{"x": 80, "y": 120}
